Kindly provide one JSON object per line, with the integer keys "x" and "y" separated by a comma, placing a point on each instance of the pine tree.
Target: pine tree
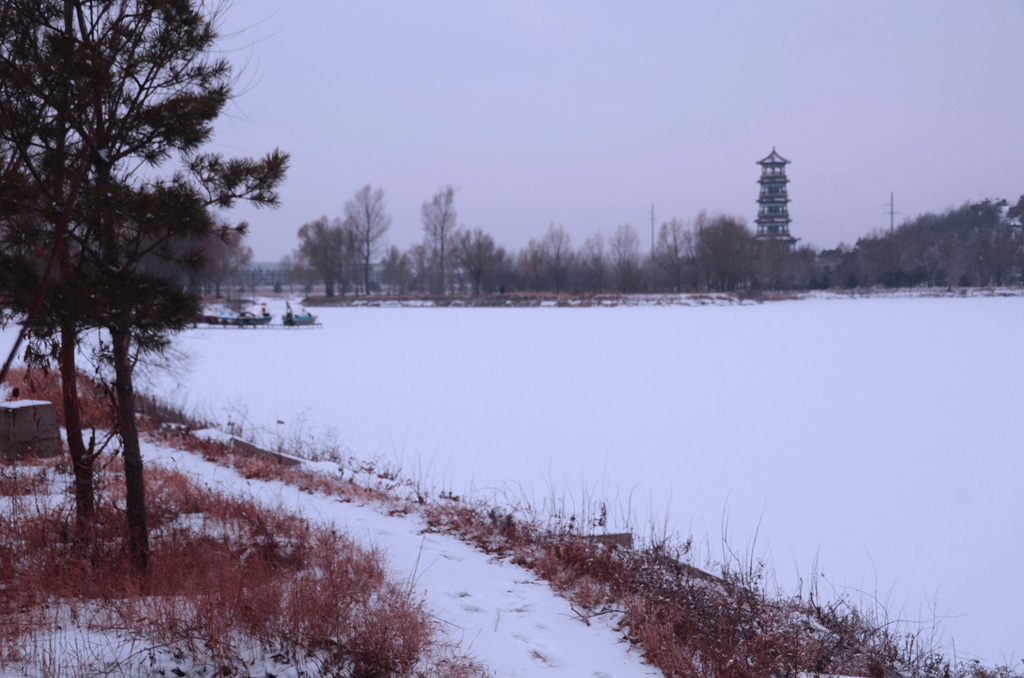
{"x": 90, "y": 91}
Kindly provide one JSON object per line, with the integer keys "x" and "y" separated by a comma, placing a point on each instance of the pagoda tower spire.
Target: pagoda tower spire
{"x": 773, "y": 202}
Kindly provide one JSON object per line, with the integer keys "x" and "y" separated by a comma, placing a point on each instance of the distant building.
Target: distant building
{"x": 773, "y": 202}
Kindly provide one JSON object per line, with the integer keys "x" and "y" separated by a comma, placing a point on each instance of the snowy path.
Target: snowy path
{"x": 499, "y": 613}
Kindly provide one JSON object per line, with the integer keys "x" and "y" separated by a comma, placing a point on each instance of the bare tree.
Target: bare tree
{"x": 369, "y": 222}
{"x": 594, "y": 262}
{"x": 530, "y": 264}
{"x": 322, "y": 246}
{"x": 557, "y": 254}
{"x": 625, "y": 254}
{"x": 395, "y": 270}
{"x": 351, "y": 260}
{"x": 477, "y": 254}
{"x": 672, "y": 251}
{"x": 439, "y": 223}
{"x": 722, "y": 251}
{"x": 419, "y": 262}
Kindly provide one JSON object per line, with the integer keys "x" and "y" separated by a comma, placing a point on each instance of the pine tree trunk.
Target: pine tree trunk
{"x": 138, "y": 535}
{"x": 120, "y": 339}
{"x": 81, "y": 463}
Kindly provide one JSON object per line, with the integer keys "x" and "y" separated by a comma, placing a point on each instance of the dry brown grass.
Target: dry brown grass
{"x": 253, "y": 467}
{"x": 20, "y": 482}
{"x": 227, "y": 575}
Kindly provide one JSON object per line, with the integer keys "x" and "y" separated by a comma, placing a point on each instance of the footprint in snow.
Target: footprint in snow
{"x": 467, "y": 606}
{"x": 538, "y": 651}
{"x": 544, "y": 659}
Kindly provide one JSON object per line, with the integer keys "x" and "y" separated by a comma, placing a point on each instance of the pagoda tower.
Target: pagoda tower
{"x": 773, "y": 202}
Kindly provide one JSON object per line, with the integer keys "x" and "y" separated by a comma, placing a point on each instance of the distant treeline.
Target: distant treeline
{"x": 976, "y": 244}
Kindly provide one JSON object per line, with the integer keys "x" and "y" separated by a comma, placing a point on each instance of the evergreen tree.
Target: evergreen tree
{"x": 91, "y": 92}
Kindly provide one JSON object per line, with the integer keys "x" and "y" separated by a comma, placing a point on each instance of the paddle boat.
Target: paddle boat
{"x": 253, "y": 316}
{"x": 293, "y": 319}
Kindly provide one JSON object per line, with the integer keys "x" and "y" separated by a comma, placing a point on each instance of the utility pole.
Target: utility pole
{"x": 652, "y": 230}
{"x": 892, "y": 213}
{"x": 892, "y": 245}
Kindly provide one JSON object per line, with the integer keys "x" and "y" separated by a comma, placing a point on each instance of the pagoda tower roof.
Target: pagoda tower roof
{"x": 773, "y": 157}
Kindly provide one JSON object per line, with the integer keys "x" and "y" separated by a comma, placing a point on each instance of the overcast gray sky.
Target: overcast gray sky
{"x": 587, "y": 112}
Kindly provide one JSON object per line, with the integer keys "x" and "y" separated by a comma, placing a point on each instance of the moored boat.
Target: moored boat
{"x": 293, "y": 319}
{"x": 254, "y": 315}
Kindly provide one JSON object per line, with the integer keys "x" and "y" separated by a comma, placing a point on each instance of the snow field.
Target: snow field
{"x": 870, "y": 445}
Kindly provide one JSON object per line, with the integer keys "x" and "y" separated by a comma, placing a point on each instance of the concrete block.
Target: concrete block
{"x": 28, "y": 428}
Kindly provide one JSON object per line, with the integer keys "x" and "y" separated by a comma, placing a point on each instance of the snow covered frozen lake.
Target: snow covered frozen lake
{"x": 880, "y": 438}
